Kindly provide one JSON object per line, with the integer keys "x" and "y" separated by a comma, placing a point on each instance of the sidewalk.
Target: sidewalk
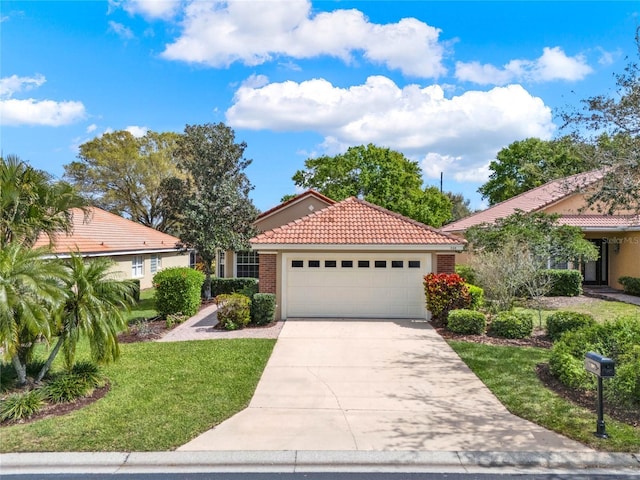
{"x": 608, "y": 293}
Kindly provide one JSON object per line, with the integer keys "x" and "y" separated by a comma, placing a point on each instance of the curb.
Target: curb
{"x": 316, "y": 461}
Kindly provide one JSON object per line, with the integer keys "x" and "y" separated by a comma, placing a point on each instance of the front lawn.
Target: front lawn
{"x": 162, "y": 395}
{"x": 145, "y": 308}
{"x": 510, "y": 373}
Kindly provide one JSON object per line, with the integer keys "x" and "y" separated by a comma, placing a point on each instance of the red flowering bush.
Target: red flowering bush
{"x": 445, "y": 292}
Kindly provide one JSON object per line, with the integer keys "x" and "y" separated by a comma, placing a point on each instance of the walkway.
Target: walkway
{"x": 350, "y": 385}
{"x": 608, "y": 293}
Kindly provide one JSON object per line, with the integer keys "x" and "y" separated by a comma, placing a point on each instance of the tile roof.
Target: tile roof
{"x": 530, "y": 201}
{"x": 295, "y": 199}
{"x": 602, "y": 222}
{"x": 355, "y": 222}
{"x": 104, "y": 232}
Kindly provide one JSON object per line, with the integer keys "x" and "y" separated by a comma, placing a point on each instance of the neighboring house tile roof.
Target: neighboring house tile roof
{"x": 602, "y": 222}
{"x": 355, "y": 222}
{"x": 101, "y": 232}
{"x": 531, "y": 201}
{"x": 296, "y": 199}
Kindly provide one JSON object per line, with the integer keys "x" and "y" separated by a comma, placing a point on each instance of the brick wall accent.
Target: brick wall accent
{"x": 445, "y": 263}
{"x": 267, "y": 273}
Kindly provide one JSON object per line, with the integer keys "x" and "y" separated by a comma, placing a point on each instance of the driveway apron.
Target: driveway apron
{"x": 345, "y": 384}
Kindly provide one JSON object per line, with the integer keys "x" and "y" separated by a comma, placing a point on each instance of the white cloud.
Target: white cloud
{"x": 554, "y": 64}
{"x": 466, "y": 130}
{"x": 92, "y": 128}
{"x": 137, "y": 131}
{"x": 121, "y": 30}
{"x": 31, "y": 111}
{"x": 162, "y": 9}
{"x": 220, "y": 33}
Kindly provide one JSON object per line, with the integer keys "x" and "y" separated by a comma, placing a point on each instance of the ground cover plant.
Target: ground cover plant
{"x": 161, "y": 396}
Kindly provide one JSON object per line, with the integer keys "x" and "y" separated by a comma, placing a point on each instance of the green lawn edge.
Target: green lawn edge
{"x": 510, "y": 373}
{"x": 162, "y": 396}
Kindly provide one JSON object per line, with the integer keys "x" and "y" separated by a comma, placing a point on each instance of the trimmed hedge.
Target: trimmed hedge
{"x": 560, "y": 322}
{"x": 631, "y": 285}
{"x": 512, "y": 325}
{"x": 564, "y": 283}
{"x": 477, "y": 296}
{"x": 246, "y": 286}
{"x": 178, "y": 291}
{"x": 233, "y": 310}
{"x": 467, "y": 322}
{"x": 263, "y": 308}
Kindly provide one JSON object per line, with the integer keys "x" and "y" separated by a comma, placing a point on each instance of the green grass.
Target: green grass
{"x": 162, "y": 395}
{"x": 509, "y": 372}
{"x": 146, "y": 307}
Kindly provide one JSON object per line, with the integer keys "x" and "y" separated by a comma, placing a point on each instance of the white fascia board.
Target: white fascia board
{"x": 118, "y": 254}
{"x": 458, "y": 247}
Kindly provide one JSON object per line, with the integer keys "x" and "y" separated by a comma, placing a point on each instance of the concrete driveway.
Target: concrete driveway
{"x": 344, "y": 384}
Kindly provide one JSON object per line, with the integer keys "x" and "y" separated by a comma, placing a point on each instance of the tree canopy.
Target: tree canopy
{"x": 217, "y": 212}
{"x": 529, "y": 163}
{"x": 380, "y": 176}
{"x": 126, "y": 175}
{"x": 610, "y": 126}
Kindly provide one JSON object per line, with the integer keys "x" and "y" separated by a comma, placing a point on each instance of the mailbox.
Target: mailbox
{"x": 598, "y": 365}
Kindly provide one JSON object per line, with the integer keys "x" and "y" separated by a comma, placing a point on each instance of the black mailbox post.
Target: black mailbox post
{"x": 601, "y": 367}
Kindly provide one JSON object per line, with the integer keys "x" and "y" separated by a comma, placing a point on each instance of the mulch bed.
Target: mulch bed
{"x": 538, "y": 339}
{"x": 144, "y": 332}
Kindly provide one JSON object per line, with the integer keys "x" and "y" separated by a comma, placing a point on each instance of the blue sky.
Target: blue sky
{"x": 447, "y": 83}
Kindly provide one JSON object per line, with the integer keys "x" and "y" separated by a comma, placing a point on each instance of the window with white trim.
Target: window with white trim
{"x": 220, "y": 263}
{"x": 155, "y": 263}
{"x": 137, "y": 266}
{"x": 247, "y": 265}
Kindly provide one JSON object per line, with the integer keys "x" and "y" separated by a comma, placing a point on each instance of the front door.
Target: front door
{"x": 596, "y": 272}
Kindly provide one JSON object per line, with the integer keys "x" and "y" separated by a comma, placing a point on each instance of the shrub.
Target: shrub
{"x": 245, "y": 286}
{"x": 560, "y": 322}
{"x": 467, "y": 273}
{"x": 477, "y": 296}
{"x": 178, "y": 291}
{"x": 512, "y": 325}
{"x": 631, "y": 285}
{"x": 89, "y": 373}
{"x": 263, "y": 308}
{"x": 618, "y": 340}
{"x": 233, "y": 310}
{"x": 469, "y": 322}
{"x": 176, "y": 319}
{"x": 21, "y": 405}
{"x": 66, "y": 388}
{"x": 136, "y": 289}
{"x": 445, "y": 292}
{"x": 564, "y": 283}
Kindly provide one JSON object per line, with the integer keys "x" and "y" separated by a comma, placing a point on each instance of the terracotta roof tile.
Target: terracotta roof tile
{"x": 530, "y": 201}
{"x": 602, "y": 222}
{"x": 356, "y": 222}
{"x": 104, "y": 232}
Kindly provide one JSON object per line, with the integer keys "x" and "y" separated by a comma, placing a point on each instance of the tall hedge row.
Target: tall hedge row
{"x": 178, "y": 291}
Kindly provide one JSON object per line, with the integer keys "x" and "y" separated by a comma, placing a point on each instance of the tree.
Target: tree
{"x": 94, "y": 306}
{"x": 30, "y": 288}
{"x": 609, "y": 125}
{"x": 31, "y": 203}
{"x": 124, "y": 175}
{"x": 459, "y": 206}
{"x": 217, "y": 211}
{"x": 529, "y": 163}
{"x": 380, "y": 176}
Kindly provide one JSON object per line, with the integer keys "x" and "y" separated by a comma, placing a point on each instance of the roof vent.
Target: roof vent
{"x": 311, "y": 208}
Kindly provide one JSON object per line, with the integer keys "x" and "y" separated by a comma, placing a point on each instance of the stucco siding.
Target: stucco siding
{"x": 123, "y": 266}
{"x": 304, "y": 207}
{"x": 624, "y": 257}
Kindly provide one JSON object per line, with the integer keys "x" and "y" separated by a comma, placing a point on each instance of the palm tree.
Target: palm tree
{"x": 95, "y": 306}
{"x": 30, "y": 287}
{"x": 31, "y": 203}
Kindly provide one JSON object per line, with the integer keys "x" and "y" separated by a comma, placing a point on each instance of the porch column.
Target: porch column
{"x": 267, "y": 272}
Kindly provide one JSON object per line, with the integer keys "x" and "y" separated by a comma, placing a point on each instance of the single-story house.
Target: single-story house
{"x": 138, "y": 251}
{"x": 617, "y": 237}
{"x": 348, "y": 259}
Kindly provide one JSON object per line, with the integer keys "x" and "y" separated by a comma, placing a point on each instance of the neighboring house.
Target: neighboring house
{"x": 138, "y": 251}
{"x": 348, "y": 259}
{"x": 245, "y": 264}
{"x": 617, "y": 237}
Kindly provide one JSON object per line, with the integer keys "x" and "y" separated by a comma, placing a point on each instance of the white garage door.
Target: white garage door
{"x": 385, "y": 285}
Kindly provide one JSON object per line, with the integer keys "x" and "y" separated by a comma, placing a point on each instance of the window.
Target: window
{"x": 363, "y": 263}
{"x": 297, "y": 263}
{"x": 155, "y": 263}
{"x": 380, "y": 264}
{"x": 397, "y": 264}
{"x": 414, "y": 263}
{"x": 247, "y": 265}
{"x": 192, "y": 259}
{"x": 137, "y": 267}
{"x": 347, "y": 263}
{"x": 220, "y": 263}
{"x": 330, "y": 263}
{"x": 314, "y": 263}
